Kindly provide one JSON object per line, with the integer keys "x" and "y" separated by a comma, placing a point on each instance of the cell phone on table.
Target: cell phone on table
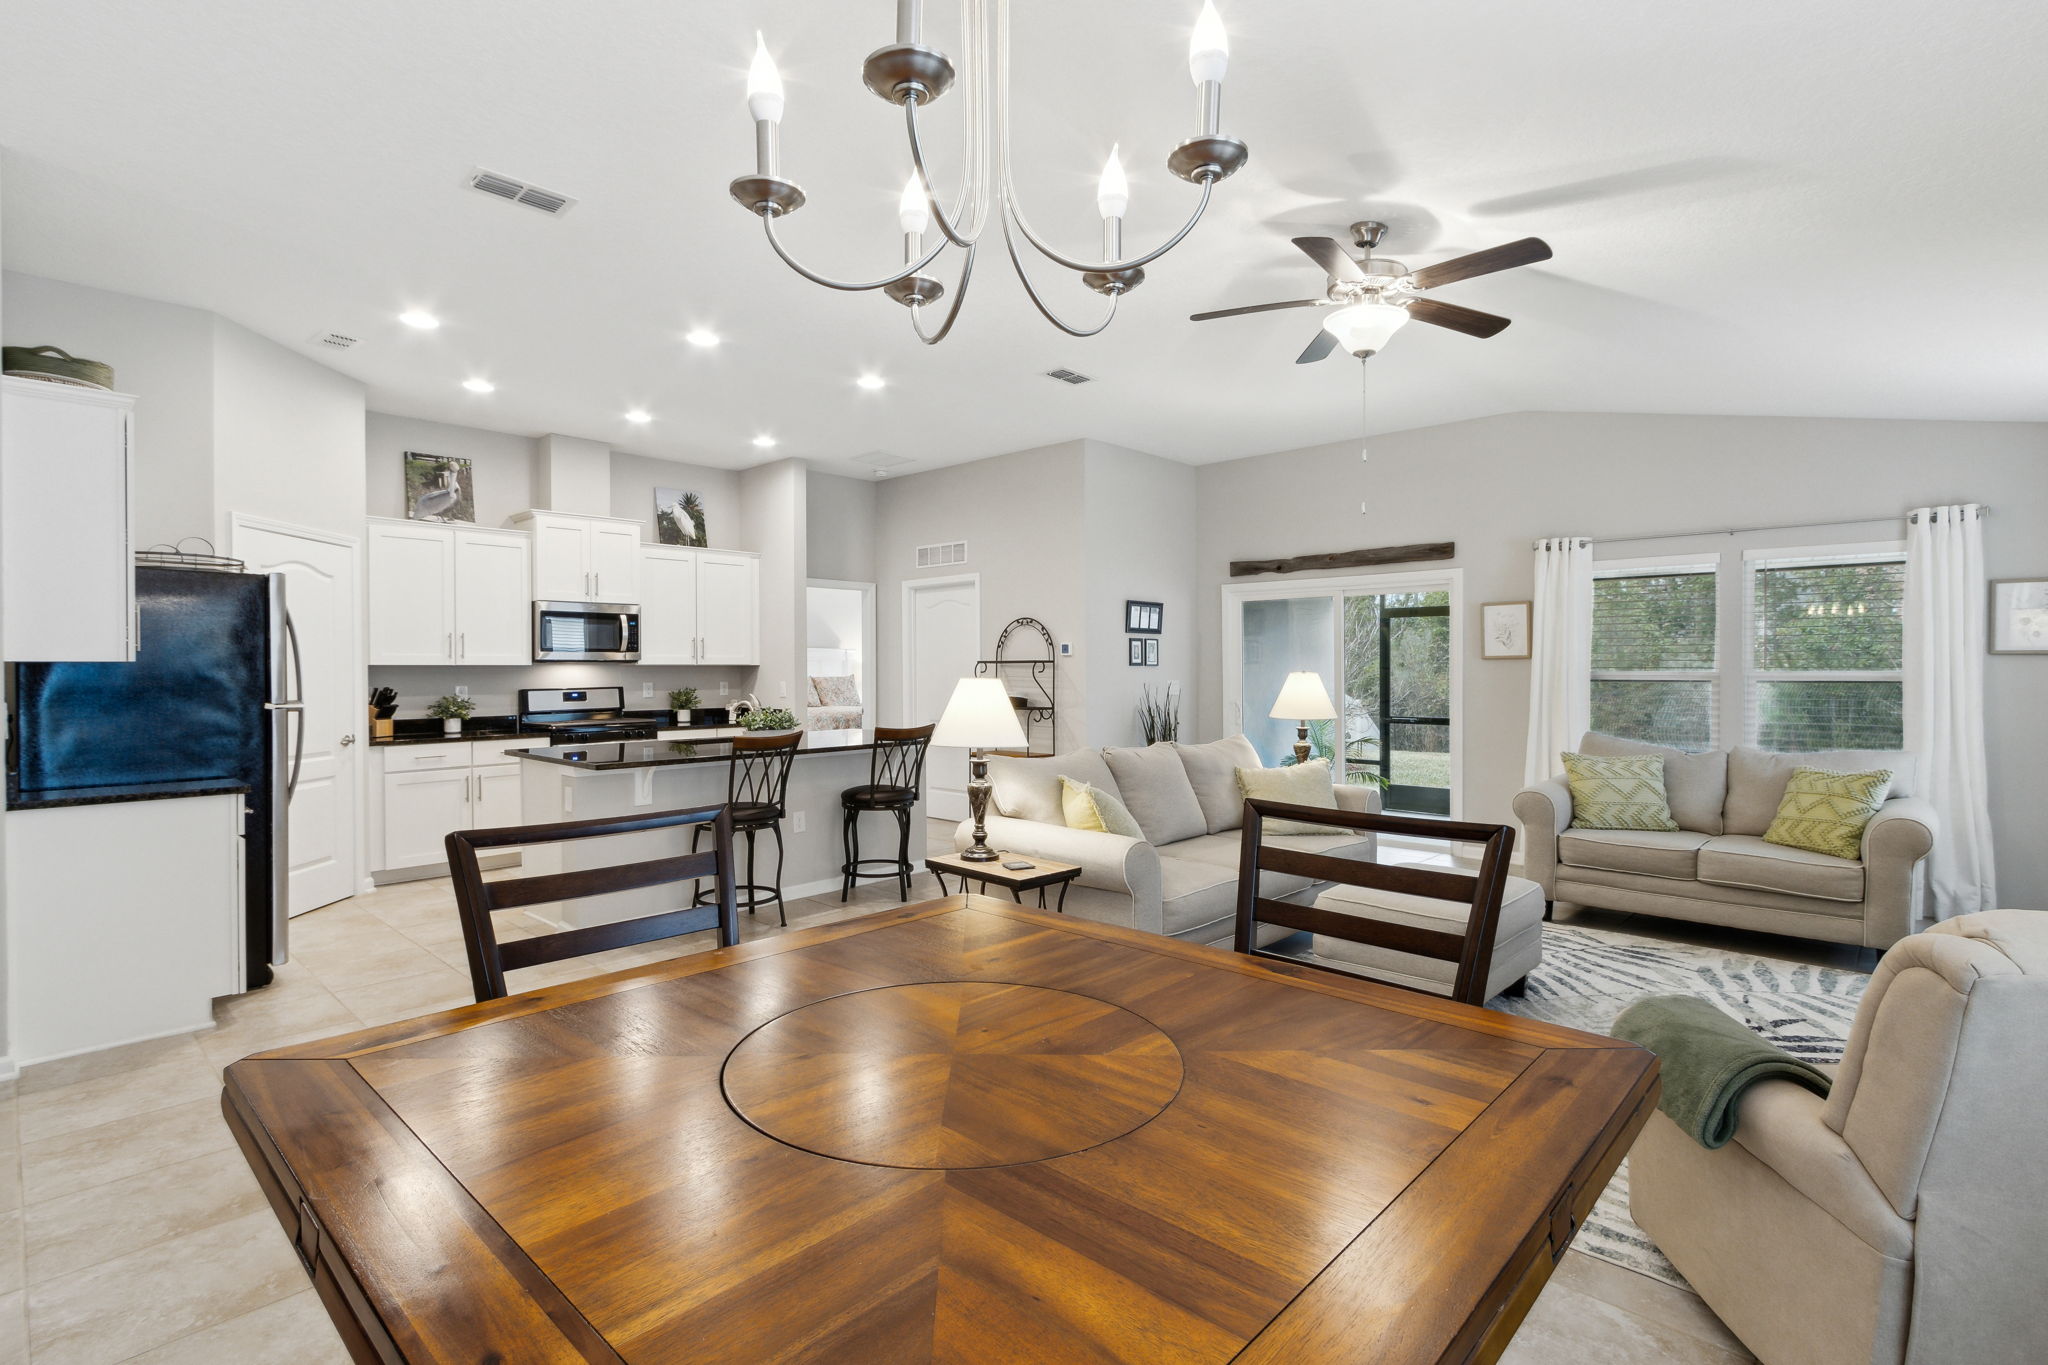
{"x": 1016, "y": 865}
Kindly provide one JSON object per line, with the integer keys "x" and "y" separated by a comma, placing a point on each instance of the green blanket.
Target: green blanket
{"x": 1708, "y": 1060}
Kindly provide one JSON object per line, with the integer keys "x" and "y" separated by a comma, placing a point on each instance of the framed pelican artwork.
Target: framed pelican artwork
{"x": 438, "y": 488}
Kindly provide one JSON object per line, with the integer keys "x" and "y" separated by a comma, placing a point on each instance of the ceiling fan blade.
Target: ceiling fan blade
{"x": 1334, "y": 259}
{"x": 1528, "y": 251}
{"x": 1257, "y": 308}
{"x": 1470, "y": 321}
{"x": 1321, "y": 346}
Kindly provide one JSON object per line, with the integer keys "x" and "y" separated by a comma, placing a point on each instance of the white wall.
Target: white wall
{"x": 841, "y": 522}
{"x": 501, "y": 465}
{"x": 287, "y": 436}
{"x": 1138, "y": 511}
{"x": 635, "y": 477}
{"x": 773, "y": 508}
{"x": 1495, "y": 484}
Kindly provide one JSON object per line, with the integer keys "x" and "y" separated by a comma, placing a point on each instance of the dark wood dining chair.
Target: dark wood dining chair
{"x": 477, "y": 900}
{"x": 1480, "y": 893}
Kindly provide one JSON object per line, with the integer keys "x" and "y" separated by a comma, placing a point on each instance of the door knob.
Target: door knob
{"x": 347, "y": 740}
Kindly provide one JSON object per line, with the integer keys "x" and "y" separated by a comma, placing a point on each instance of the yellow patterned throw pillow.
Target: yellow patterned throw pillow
{"x": 1092, "y": 808}
{"x": 1826, "y": 812}
{"x": 1618, "y": 793}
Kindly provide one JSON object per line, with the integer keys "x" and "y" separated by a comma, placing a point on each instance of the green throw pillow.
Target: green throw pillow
{"x": 1618, "y": 793}
{"x": 1092, "y": 808}
{"x": 1301, "y": 784}
{"x": 1825, "y": 812}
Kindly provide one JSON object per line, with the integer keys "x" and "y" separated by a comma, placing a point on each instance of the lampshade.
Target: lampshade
{"x": 1302, "y": 697}
{"x": 1364, "y": 328}
{"x": 979, "y": 716}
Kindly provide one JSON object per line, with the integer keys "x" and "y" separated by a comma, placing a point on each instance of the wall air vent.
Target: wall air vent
{"x": 1070, "y": 376}
{"x": 939, "y": 556}
{"x": 333, "y": 339}
{"x": 519, "y": 192}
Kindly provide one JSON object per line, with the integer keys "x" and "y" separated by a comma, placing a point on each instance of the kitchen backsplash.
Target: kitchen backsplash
{"x": 496, "y": 689}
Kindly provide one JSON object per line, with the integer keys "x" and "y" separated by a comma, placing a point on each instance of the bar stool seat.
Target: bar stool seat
{"x": 756, "y": 797}
{"x": 895, "y": 776}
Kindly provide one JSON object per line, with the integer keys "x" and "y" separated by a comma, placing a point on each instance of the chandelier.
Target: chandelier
{"x": 912, "y": 75}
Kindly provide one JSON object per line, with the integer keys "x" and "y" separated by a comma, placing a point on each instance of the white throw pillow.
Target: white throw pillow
{"x": 1029, "y": 788}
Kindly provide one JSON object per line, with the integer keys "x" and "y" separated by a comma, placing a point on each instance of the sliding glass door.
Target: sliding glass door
{"x": 1384, "y": 647}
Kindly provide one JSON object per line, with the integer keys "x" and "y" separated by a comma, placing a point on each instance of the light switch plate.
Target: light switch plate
{"x": 647, "y": 689}
{"x": 462, "y": 692}
{"x": 1066, "y": 649}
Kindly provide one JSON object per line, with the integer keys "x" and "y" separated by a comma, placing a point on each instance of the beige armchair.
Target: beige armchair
{"x": 1903, "y": 1220}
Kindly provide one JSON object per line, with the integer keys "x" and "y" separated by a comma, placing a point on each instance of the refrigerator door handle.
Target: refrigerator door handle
{"x": 291, "y": 635}
{"x": 284, "y": 773}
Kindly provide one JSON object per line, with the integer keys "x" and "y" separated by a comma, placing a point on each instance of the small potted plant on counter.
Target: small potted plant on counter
{"x": 681, "y": 700}
{"x": 769, "y": 718}
{"x": 452, "y": 711}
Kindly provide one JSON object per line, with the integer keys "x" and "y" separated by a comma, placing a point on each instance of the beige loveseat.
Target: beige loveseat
{"x": 1902, "y": 1220}
{"x": 1716, "y": 868}
{"x": 1181, "y": 878}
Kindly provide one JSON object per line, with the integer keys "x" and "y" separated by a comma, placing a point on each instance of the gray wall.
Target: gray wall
{"x": 501, "y": 465}
{"x": 287, "y": 434}
{"x": 841, "y": 527}
{"x": 1138, "y": 511}
{"x": 1495, "y": 484}
{"x": 635, "y": 477}
{"x": 496, "y": 689}
{"x": 774, "y": 507}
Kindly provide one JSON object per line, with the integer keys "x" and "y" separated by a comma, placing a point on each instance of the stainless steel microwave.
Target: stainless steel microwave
{"x": 605, "y": 631}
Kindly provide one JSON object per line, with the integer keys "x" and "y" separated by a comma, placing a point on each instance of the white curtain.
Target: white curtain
{"x": 1945, "y": 617}
{"x": 1560, "y": 654}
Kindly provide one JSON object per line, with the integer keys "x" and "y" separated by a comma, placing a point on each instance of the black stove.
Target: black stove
{"x": 575, "y": 715}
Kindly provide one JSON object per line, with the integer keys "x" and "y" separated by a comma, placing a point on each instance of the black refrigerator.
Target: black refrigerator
{"x": 210, "y": 696}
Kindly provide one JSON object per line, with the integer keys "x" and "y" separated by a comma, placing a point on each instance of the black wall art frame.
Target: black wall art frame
{"x": 1143, "y": 618}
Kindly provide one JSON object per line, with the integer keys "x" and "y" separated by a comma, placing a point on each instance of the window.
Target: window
{"x": 1826, "y": 652}
{"x": 1654, "y": 653}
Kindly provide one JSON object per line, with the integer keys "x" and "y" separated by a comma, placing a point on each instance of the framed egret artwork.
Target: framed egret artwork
{"x": 679, "y": 517}
{"x": 438, "y": 488}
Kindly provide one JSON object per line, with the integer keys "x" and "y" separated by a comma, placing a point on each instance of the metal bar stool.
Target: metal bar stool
{"x": 756, "y": 792}
{"x": 895, "y": 776}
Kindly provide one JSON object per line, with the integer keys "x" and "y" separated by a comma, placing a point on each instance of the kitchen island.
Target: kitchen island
{"x": 634, "y": 777}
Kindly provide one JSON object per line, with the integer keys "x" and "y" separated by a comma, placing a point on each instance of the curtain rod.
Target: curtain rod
{"x": 1982, "y": 510}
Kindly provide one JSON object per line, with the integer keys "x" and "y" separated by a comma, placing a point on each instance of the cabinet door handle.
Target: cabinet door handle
{"x": 448, "y": 645}
{"x": 462, "y": 645}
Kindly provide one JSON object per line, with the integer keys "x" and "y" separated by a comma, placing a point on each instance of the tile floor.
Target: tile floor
{"x": 131, "y": 1229}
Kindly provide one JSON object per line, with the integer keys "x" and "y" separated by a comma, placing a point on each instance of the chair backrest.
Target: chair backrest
{"x": 898, "y": 757}
{"x": 1480, "y": 894}
{"x": 760, "y": 769}
{"x": 477, "y": 900}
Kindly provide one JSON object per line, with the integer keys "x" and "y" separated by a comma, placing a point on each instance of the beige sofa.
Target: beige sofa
{"x": 1181, "y": 878}
{"x": 1716, "y": 868}
{"x": 1902, "y": 1220}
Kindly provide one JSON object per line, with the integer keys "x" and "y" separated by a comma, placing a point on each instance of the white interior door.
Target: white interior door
{"x": 942, "y": 639}
{"x": 320, "y": 593}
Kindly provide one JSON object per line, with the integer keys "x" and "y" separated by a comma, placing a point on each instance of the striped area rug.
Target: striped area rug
{"x": 1589, "y": 976}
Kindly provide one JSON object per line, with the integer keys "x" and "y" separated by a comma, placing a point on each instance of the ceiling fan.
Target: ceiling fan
{"x": 1375, "y": 296}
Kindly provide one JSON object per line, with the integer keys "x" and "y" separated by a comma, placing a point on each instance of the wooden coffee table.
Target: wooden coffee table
{"x": 958, "y": 1131}
{"x": 1044, "y": 872}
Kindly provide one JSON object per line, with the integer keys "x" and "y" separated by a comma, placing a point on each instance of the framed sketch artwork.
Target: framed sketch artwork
{"x": 1137, "y": 653}
{"x": 1504, "y": 630}
{"x": 2019, "y": 616}
{"x": 1143, "y": 618}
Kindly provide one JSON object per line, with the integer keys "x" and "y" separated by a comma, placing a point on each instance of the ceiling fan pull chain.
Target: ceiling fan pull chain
{"x": 1364, "y": 449}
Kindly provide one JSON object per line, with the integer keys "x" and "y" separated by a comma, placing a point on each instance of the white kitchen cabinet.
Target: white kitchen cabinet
{"x": 496, "y": 803}
{"x": 66, "y": 554}
{"x": 699, "y": 606}
{"x": 583, "y": 559}
{"x": 447, "y": 594}
{"x": 421, "y": 793}
{"x": 420, "y": 809}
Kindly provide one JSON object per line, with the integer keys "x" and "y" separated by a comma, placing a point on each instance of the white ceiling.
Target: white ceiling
{"x": 1832, "y": 208}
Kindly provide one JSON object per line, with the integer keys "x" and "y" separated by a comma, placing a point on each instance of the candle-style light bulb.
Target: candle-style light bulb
{"x": 1209, "y": 48}
{"x": 911, "y": 210}
{"x": 1113, "y": 191}
{"x": 764, "y": 85}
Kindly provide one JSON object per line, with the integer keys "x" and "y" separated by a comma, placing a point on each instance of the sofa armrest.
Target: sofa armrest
{"x": 1781, "y": 1126}
{"x": 1896, "y": 839}
{"x": 1108, "y": 862}
{"x": 1545, "y": 811}
{"x": 1352, "y": 796}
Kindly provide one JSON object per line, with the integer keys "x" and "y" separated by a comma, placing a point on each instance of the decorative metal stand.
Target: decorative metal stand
{"x": 1028, "y": 676}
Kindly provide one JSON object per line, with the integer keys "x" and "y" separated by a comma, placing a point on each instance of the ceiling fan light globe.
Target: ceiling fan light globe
{"x": 1365, "y": 328}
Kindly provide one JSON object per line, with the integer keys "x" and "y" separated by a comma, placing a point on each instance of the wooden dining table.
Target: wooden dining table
{"x": 956, "y": 1131}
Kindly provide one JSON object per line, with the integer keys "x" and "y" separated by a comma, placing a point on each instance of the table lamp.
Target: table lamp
{"x": 979, "y": 717}
{"x": 1302, "y": 698}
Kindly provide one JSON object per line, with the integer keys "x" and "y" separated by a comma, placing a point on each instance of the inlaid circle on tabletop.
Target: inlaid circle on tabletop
{"x": 951, "y": 1075}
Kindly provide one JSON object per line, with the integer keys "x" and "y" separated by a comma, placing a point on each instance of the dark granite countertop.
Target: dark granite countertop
{"x": 670, "y": 753}
{"x": 51, "y": 797}
{"x": 428, "y": 730}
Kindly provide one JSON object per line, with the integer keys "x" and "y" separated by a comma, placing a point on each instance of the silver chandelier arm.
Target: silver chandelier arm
{"x": 924, "y": 180}
{"x": 1031, "y": 292}
{"x": 1016, "y": 211}
{"x": 952, "y": 310}
{"x": 768, "y": 223}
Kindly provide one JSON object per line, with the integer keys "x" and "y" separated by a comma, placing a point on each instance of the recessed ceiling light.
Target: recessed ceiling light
{"x": 764, "y": 442}
{"x": 702, "y": 336}
{"x": 639, "y": 415}
{"x": 479, "y": 386}
{"x": 871, "y": 381}
{"x": 419, "y": 319}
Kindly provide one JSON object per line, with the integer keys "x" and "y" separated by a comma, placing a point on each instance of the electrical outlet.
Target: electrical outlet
{"x": 721, "y": 688}
{"x": 647, "y": 689}
{"x": 462, "y": 692}
{"x": 782, "y": 690}
{"x": 796, "y": 819}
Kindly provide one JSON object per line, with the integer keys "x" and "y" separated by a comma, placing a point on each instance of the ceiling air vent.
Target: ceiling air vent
{"x": 334, "y": 339}
{"x": 1070, "y": 376}
{"x": 519, "y": 192}
{"x": 939, "y": 556}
